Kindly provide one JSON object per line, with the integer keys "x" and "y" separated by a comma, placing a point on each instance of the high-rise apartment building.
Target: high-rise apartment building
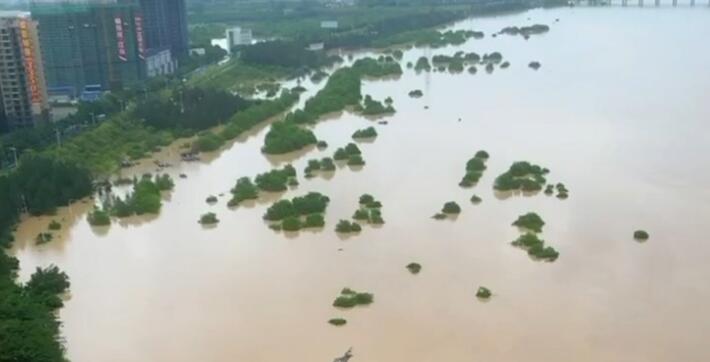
{"x": 91, "y": 44}
{"x": 23, "y": 93}
{"x": 165, "y": 24}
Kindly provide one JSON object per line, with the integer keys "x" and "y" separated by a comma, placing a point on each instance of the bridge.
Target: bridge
{"x": 640, "y": 3}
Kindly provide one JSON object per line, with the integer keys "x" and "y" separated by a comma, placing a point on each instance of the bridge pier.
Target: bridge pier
{"x": 625, "y": 2}
{"x": 658, "y": 3}
{"x": 640, "y": 3}
{"x": 692, "y": 2}
{"x": 675, "y": 3}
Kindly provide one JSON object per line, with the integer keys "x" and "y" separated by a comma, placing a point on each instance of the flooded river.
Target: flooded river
{"x": 619, "y": 112}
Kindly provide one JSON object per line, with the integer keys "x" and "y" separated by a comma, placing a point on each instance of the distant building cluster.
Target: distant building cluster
{"x": 82, "y": 48}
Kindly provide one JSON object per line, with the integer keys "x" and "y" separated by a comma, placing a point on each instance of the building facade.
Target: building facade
{"x": 160, "y": 62}
{"x": 90, "y": 44}
{"x": 165, "y": 24}
{"x": 23, "y": 92}
{"x": 238, "y": 36}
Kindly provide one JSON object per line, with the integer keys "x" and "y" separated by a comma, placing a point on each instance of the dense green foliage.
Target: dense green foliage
{"x": 349, "y": 299}
{"x": 242, "y": 191}
{"x": 451, "y": 208}
{"x": 145, "y": 198}
{"x": 300, "y": 212}
{"x": 285, "y": 136}
{"x": 641, "y": 235}
{"x": 325, "y": 164}
{"x": 283, "y": 53}
{"x": 483, "y": 293}
{"x": 474, "y": 169}
{"x": 55, "y": 225}
{"x": 368, "y": 132}
{"x": 536, "y": 247}
{"x": 525, "y": 31}
{"x": 211, "y": 199}
{"x": 372, "y": 107}
{"x": 99, "y": 217}
{"x": 422, "y": 64}
{"x": 208, "y": 142}
{"x": 476, "y": 199}
{"x": 370, "y": 210}
{"x": 534, "y": 65}
{"x": 188, "y": 108}
{"x": 417, "y": 93}
{"x": 346, "y": 227}
{"x": 275, "y": 180}
{"x": 252, "y": 116}
{"x": 414, "y": 268}
{"x": 338, "y": 322}
{"x": 209, "y": 218}
{"x": 522, "y": 176}
{"x": 530, "y": 221}
{"x": 345, "y": 153}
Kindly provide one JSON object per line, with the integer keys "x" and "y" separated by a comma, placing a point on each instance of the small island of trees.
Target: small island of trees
{"x": 414, "y": 268}
{"x": 276, "y": 180}
{"x": 522, "y": 176}
{"x": 641, "y": 235}
{"x": 338, "y": 322}
{"x": 451, "y": 208}
{"x": 536, "y": 247}
{"x": 370, "y": 210}
{"x": 535, "y": 65}
{"x": 347, "y": 227}
{"x": 365, "y": 133}
{"x": 474, "y": 169}
{"x": 530, "y": 221}
{"x": 350, "y": 298}
{"x": 244, "y": 190}
{"x": 417, "y": 93}
{"x": 371, "y": 107}
{"x": 284, "y": 137}
{"x": 300, "y": 212}
{"x": 209, "y": 218}
{"x": 483, "y": 293}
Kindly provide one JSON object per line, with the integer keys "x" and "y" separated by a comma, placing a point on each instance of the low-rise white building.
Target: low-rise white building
{"x": 159, "y": 62}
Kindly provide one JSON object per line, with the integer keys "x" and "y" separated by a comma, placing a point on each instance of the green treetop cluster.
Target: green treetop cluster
{"x": 372, "y": 107}
{"x": 242, "y": 191}
{"x": 370, "y": 210}
{"x": 325, "y": 164}
{"x": 529, "y": 241}
{"x": 350, "y": 298}
{"x": 300, "y": 212}
{"x": 522, "y": 176}
{"x": 530, "y": 221}
{"x": 474, "y": 169}
{"x": 365, "y": 133}
{"x": 276, "y": 180}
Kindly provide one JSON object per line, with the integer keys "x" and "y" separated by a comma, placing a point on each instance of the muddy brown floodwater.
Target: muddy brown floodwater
{"x": 618, "y": 112}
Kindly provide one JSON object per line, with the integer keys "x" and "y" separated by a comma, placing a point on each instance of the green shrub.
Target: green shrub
{"x": 322, "y": 145}
{"x": 641, "y": 235}
{"x": 43, "y": 238}
{"x": 476, "y": 199}
{"x": 338, "y": 322}
{"x": 451, "y": 208}
{"x": 371, "y": 107}
{"x": 521, "y": 176}
{"x": 55, "y": 225}
{"x": 356, "y": 160}
{"x": 422, "y": 64}
{"x": 99, "y": 218}
{"x": 349, "y": 298}
{"x": 368, "y": 132}
{"x": 472, "y": 69}
{"x": 314, "y": 221}
{"x": 535, "y": 65}
{"x": 361, "y": 215}
{"x": 291, "y": 223}
{"x": 327, "y": 164}
{"x": 346, "y": 227}
{"x": 208, "y": 141}
{"x": 530, "y": 221}
{"x": 536, "y": 247}
{"x": 483, "y": 293}
{"x": 209, "y": 218}
{"x": 414, "y": 268}
{"x": 244, "y": 190}
{"x": 439, "y": 216}
{"x": 275, "y": 180}
{"x": 417, "y": 93}
{"x": 284, "y": 137}
{"x": 211, "y": 199}
{"x": 366, "y": 199}
{"x": 164, "y": 182}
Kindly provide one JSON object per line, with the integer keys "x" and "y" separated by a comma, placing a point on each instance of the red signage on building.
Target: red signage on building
{"x": 121, "y": 39}
{"x": 30, "y": 60}
{"x": 139, "y": 36}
